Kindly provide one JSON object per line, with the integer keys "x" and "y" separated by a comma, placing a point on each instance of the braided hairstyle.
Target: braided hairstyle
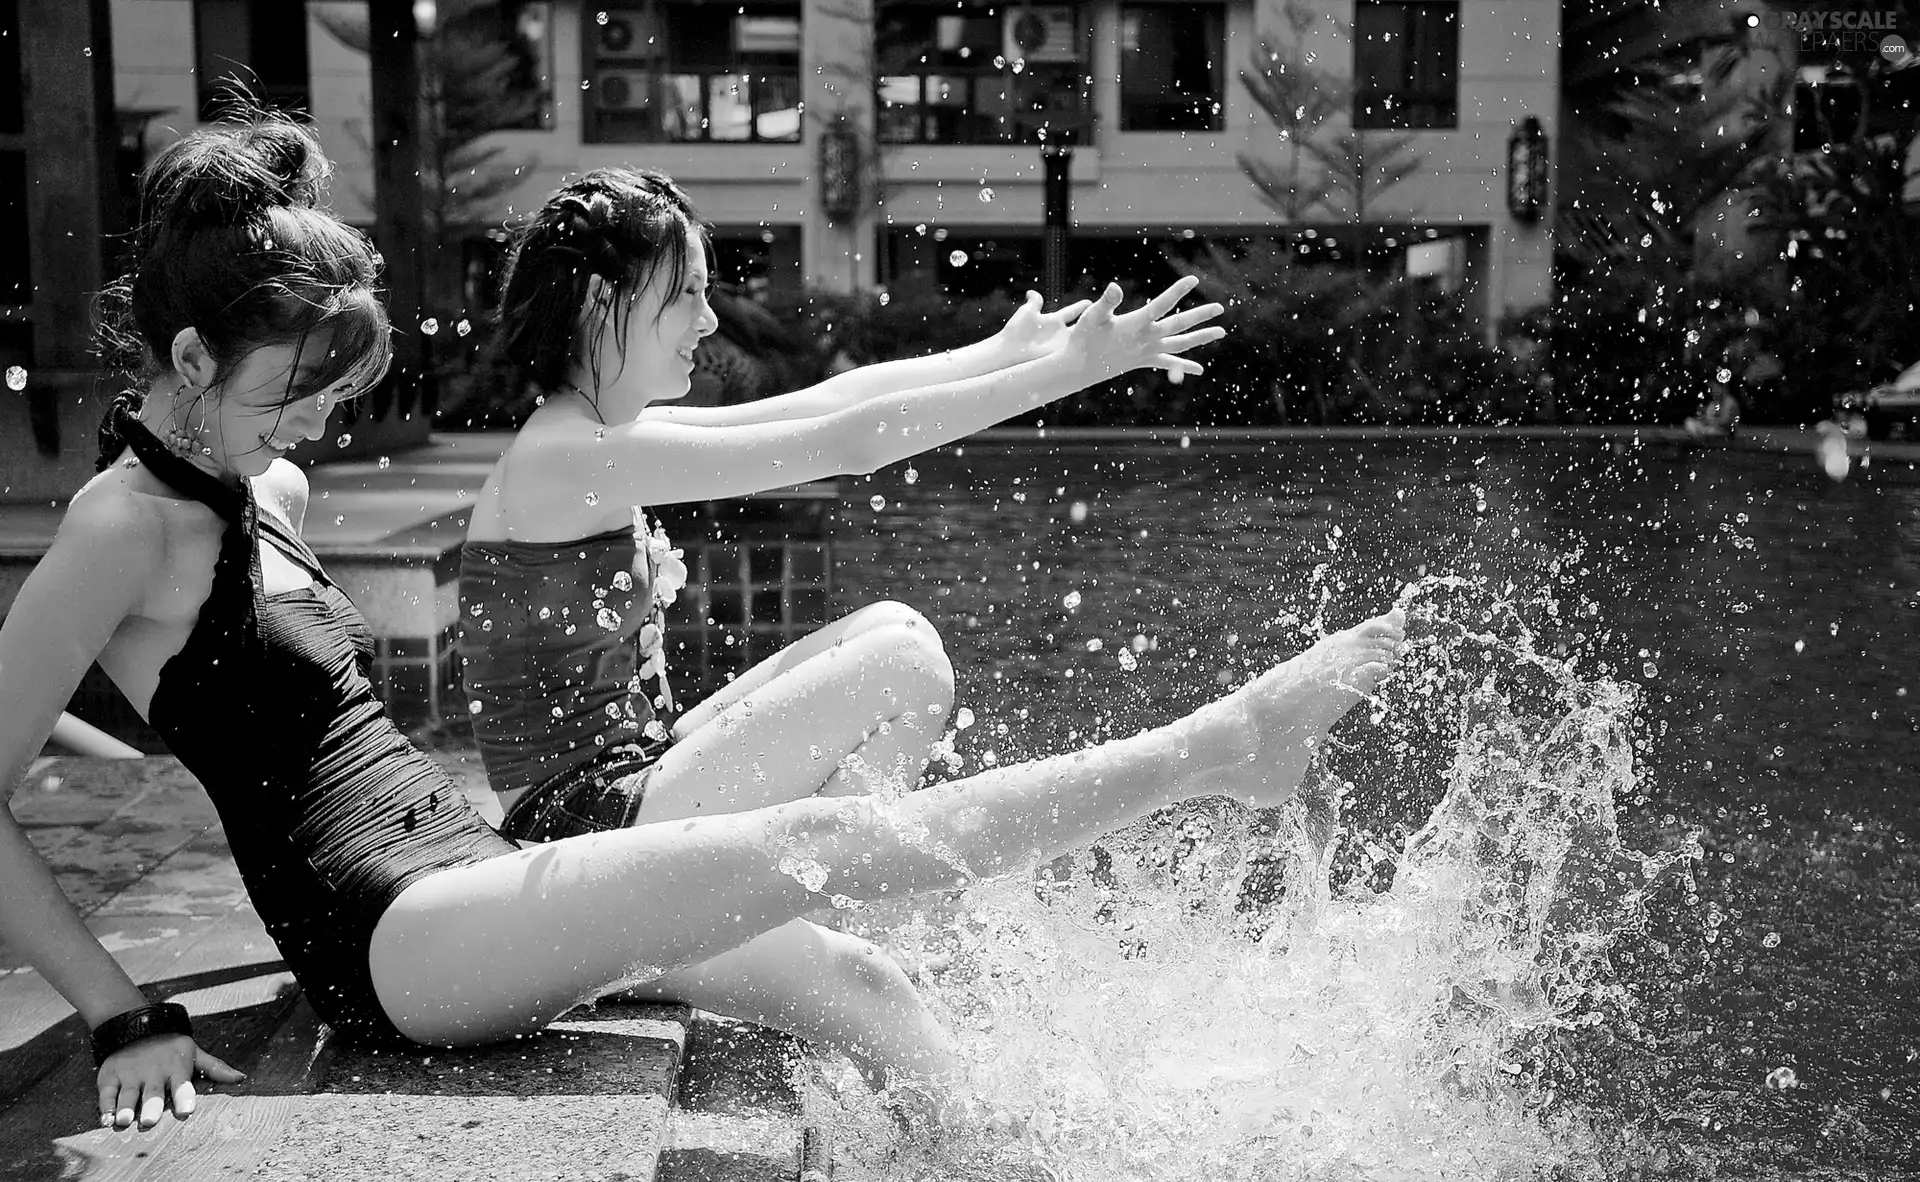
{"x": 626, "y": 225}
{"x": 231, "y": 241}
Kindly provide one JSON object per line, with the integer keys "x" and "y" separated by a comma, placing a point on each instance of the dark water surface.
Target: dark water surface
{"x": 1771, "y": 615}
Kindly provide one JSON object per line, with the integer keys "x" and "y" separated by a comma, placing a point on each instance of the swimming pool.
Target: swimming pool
{"x": 1769, "y": 616}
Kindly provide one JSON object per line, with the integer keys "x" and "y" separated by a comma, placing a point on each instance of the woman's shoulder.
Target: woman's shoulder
{"x": 119, "y": 512}
{"x": 283, "y": 489}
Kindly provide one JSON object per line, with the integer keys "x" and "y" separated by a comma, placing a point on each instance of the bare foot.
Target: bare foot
{"x": 1278, "y": 719}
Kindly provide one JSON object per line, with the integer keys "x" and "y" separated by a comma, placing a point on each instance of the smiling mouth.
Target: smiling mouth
{"x": 280, "y": 445}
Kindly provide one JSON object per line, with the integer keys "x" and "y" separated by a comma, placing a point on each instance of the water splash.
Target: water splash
{"x": 1221, "y": 994}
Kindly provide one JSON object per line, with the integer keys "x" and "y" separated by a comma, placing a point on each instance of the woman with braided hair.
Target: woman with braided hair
{"x": 564, "y": 581}
{"x": 405, "y": 917}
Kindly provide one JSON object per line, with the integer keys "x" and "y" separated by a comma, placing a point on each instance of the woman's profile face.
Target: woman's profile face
{"x": 666, "y": 327}
{"x": 248, "y": 422}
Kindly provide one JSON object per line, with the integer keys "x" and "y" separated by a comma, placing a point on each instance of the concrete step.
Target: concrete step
{"x": 740, "y": 1114}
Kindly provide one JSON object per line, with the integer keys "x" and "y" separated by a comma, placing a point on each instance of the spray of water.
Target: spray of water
{"x": 1195, "y": 998}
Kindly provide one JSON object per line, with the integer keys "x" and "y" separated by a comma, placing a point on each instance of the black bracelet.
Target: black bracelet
{"x": 123, "y": 1030}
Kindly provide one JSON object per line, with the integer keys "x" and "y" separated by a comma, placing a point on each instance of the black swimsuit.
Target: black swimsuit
{"x": 330, "y": 812}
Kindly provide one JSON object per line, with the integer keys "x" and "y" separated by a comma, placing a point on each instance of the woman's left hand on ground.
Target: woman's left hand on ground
{"x": 1032, "y": 334}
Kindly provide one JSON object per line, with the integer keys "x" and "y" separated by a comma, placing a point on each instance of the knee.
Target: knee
{"x": 860, "y": 968}
{"x": 916, "y": 650}
{"x": 891, "y": 613}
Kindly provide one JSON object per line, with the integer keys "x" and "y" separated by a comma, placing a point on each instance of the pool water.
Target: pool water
{"x": 1667, "y": 923}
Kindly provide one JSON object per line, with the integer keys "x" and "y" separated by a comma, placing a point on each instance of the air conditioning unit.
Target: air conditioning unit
{"x": 1041, "y": 33}
{"x": 623, "y": 90}
{"x": 626, "y": 35}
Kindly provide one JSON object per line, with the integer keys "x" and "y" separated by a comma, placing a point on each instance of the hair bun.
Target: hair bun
{"x": 230, "y": 174}
{"x": 293, "y": 167}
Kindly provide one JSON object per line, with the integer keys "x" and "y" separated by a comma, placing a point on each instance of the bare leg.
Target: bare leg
{"x": 825, "y": 986}
{"x": 700, "y": 886}
{"x": 884, "y": 614}
{"x": 834, "y": 717}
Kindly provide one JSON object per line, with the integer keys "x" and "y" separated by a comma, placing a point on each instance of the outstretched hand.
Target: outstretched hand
{"x": 1102, "y": 344}
{"x": 1032, "y": 334}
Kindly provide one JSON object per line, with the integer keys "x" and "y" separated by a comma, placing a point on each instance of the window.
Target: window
{"x": 1406, "y": 65}
{"x": 261, "y": 44}
{"x": 694, "y": 73}
{"x": 1827, "y": 109}
{"x": 16, "y": 281}
{"x": 946, "y": 72}
{"x": 12, "y": 82}
{"x": 1172, "y": 67}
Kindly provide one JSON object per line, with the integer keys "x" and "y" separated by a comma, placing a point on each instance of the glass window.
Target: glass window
{"x": 16, "y": 280}
{"x": 699, "y": 73}
{"x": 1172, "y": 67}
{"x": 261, "y": 44}
{"x": 12, "y": 84}
{"x": 1406, "y": 64}
{"x": 946, "y": 77}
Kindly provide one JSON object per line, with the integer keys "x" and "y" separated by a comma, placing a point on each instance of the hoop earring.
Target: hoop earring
{"x": 179, "y": 440}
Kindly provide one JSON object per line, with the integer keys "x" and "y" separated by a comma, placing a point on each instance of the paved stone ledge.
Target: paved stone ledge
{"x": 136, "y": 843}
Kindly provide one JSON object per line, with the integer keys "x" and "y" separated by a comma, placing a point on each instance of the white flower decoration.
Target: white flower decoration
{"x": 669, "y": 571}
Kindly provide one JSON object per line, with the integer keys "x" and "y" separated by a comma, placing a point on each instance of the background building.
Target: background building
{"x": 733, "y": 100}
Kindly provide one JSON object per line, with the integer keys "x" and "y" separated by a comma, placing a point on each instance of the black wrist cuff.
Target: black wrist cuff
{"x": 123, "y": 1030}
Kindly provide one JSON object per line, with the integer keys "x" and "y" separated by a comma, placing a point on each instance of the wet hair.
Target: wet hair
{"x": 629, "y": 226}
{"x": 231, "y": 241}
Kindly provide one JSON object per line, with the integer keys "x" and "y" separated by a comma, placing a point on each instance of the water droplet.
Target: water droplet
{"x": 1782, "y": 1079}
{"x": 430, "y": 326}
{"x": 1650, "y": 669}
{"x": 385, "y": 463}
{"x": 878, "y": 502}
{"x": 593, "y": 498}
{"x": 608, "y": 619}
{"x": 1799, "y": 646}
{"x": 1770, "y": 940}
{"x": 622, "y": 581}
{"x": 1077, "y": 512}
{"x": 473, "y": 707}
{"x": 986, "y": 196}
{"x": 963, "y": 718}
{"x": 1071, "y": 601}
{"x": 557, "y": 712}
{"x": 1127, "y": 660}
{"x": 16, "y": 378}
{"x": 345, "y": 438}
{"x": 340, "y": 519}
{"x": 1095, "y": 645}
{"x": 958, "y": 258}
{"x": 464, "y": 327}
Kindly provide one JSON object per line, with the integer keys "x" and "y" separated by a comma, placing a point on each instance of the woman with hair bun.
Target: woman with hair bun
{"x": 407, "y": 919}
{"x": 564, "y": 583}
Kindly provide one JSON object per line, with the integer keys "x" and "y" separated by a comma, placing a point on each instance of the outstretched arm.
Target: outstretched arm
{"x": 1028, "y": 336}
{"x": 653, "y": 462}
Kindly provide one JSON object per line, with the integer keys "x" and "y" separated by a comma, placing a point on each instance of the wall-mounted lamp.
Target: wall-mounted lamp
{"x": 1527, "y": 168}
